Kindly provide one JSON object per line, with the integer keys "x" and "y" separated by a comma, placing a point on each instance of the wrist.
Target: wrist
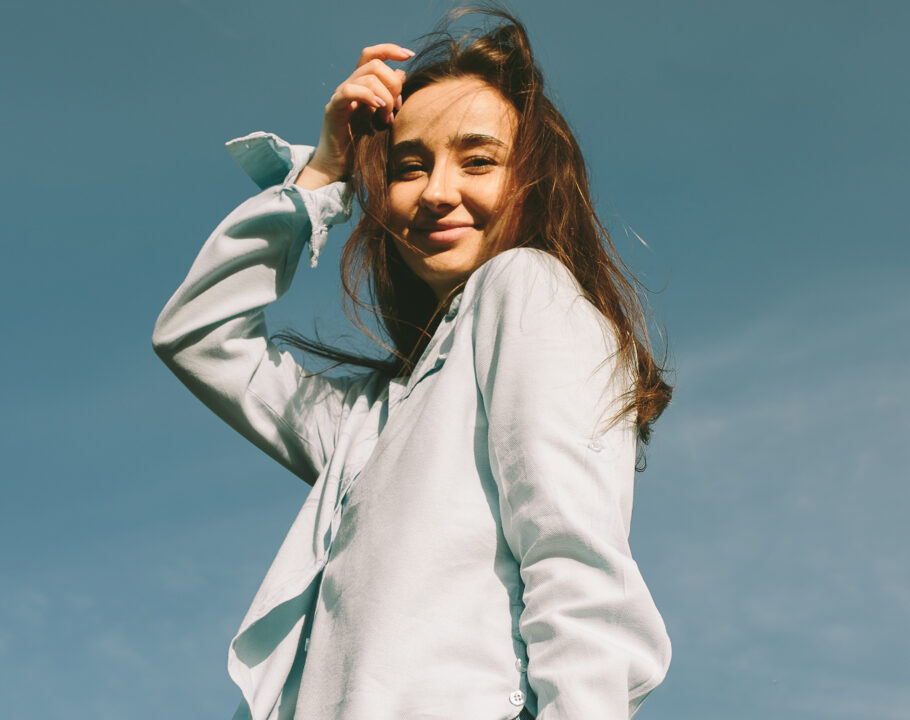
{"x": 317, "y": 173}
{"x": 311, "y": 178}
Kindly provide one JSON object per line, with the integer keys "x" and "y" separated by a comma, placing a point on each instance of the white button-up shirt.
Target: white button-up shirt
{"x": 464, "y": 550}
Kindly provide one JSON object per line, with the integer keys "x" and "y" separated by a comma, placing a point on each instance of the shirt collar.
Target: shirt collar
{"x": 454, "y": 305}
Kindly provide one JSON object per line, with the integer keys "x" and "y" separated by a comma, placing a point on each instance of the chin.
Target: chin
{"x": 439, "y": 270}
{"x": 443, "y": 270}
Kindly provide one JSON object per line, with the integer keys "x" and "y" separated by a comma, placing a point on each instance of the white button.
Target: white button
{"x": 520, "y": 665}
{"x": 517, "y": 698}
{"x": 595, "y": 445}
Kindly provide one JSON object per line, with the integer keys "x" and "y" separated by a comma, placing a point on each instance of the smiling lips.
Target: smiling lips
{"x": 444, "y": 233}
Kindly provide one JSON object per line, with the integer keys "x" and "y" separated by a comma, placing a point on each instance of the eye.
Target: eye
{"x": 408, "y": 170}
{"x": 477, "y": 164}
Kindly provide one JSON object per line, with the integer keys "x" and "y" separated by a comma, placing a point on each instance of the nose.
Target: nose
{"x": 441, "y": 191}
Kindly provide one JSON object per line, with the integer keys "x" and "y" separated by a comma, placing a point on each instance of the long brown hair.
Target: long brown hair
{"x": 548, "y": 207}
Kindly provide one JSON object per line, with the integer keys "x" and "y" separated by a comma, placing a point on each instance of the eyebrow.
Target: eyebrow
{"x": 465, "y": 141}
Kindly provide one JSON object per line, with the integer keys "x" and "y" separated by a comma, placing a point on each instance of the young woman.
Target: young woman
{"x": 463, "y": 552}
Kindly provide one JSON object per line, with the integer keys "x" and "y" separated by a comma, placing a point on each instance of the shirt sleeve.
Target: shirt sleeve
{"x": 550, "y": 382}
{"x": 212, "y": 333}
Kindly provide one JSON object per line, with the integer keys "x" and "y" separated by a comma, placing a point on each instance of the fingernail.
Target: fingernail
{"x": 410, "y": 53}
{"x": 398, "y": 103}
{"x": 379, "y": 101}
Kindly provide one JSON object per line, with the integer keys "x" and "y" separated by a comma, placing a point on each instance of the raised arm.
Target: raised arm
{"x": 212, "y": 332}
{"x": 596, "y": 643}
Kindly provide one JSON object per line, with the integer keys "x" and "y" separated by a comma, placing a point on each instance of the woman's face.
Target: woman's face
{"x": 448, "y": 168}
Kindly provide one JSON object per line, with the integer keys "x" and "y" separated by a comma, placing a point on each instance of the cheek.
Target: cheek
{"x": 402, "y": 203}
{"x": 489, "y": 195}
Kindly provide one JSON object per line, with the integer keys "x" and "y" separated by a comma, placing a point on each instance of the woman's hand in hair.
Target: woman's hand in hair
{"x": 372, "y": 92}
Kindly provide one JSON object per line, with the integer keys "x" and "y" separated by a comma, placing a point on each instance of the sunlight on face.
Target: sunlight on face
{"x": 448, "y": 168}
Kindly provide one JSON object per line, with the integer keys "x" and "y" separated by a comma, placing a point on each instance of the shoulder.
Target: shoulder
{"x": 521, "y": 269}
{"x": 532, "y": 289}
{"x": 534, "y": 327}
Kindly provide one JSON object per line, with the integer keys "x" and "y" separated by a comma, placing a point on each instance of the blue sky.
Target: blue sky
{"x": 760, "y": 149}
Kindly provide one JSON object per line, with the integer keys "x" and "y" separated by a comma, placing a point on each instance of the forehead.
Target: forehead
{"x": 444, "y": 110}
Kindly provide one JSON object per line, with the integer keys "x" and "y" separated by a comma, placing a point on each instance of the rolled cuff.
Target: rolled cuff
{"x": 268, "y": 161}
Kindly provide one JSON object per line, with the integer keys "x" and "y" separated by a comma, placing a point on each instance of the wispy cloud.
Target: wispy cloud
{"x": 785, "y": 456}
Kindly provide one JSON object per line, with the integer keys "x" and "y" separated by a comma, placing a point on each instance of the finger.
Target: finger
{"x": 380, "y": 90}
{"x": 392, "y": 79}
{"x": 398, "y": 100}
{"x": 349, "y": 96}
{"x": 385, "y": 51}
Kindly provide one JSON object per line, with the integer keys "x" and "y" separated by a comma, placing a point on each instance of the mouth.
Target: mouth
{"x": 444, "y": 234}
